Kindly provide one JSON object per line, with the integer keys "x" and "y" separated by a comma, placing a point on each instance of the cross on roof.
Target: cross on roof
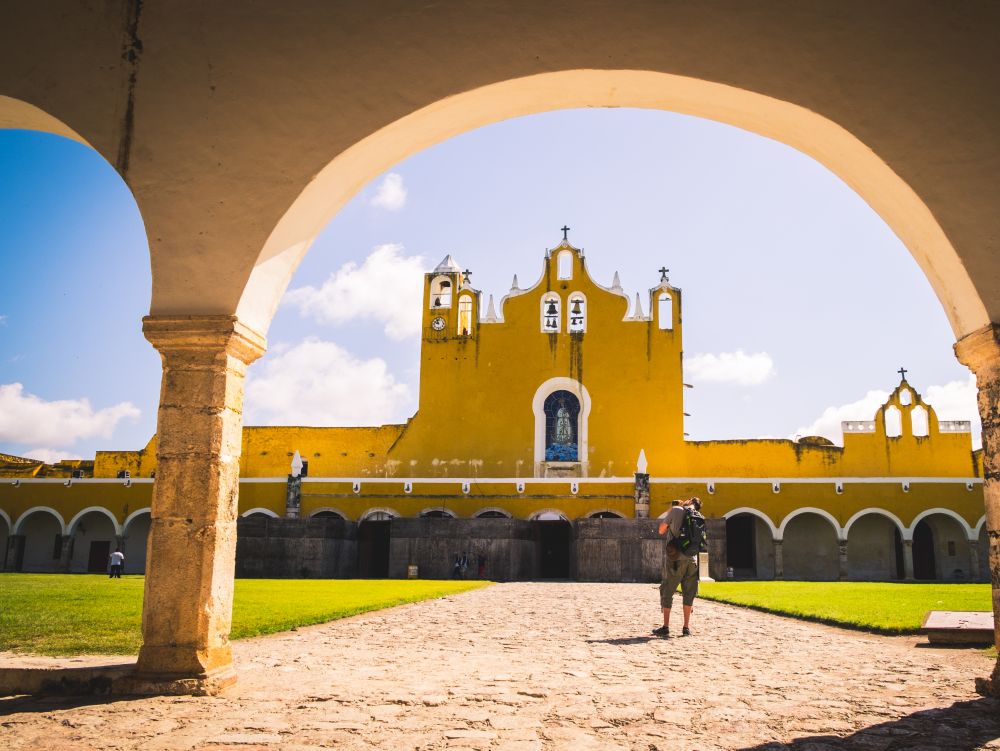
{"x": 565, "y": 231}
{"x": 663, "y": 273}
{"x": 467, "y": 274}
{"x": 902, "y": 373}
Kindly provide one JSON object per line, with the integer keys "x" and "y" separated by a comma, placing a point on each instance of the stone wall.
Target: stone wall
{"x": 618, "y": 550}
{"x": 296, "y": 548}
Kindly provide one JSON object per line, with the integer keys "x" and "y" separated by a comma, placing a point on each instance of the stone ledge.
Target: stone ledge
{"x": 116, "y": 679}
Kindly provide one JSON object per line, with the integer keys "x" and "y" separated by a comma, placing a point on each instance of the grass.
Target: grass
{"x": 57, "y": 614}
{"x": 872, "y": 606}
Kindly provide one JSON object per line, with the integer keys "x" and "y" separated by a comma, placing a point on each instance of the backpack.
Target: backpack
{"x": 694, "y": 536}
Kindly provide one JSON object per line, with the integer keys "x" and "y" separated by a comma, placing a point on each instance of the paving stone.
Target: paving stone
{"x": 529, "y": 666}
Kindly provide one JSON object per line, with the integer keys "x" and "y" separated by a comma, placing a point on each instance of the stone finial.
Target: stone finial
{"x": 448, "y": 265}
{"x": 513, "y": 285}
{"x": 491, "y": 314}
{"x": 641, "y": 464}
{"x": 616, "y": 284}
{"x": 638, "y": 314}
{"x": 296, "y": 464}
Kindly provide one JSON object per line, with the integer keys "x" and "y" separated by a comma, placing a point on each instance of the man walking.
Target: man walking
{"x": 117, "y": 560}
{"x": 680, "y": 567}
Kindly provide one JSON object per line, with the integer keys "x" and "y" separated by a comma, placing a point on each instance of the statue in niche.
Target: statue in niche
{"x": 564, "y": 429}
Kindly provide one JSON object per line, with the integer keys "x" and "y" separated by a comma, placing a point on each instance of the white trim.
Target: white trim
{"x": 6, "y": 518}
{"x": 561, "y": 383}
{"x": 20, "y": 520}
{"x": 775, "y": 533}
{"x": 481, "y": 511}
{"x": 810, "y": 510}
{"x": 443, "y": 509}
{"x": 82, "y": 480}
{"x": 618, "y": 514}
{"x": 378, "y": 510}
{"x": 260, "y": 510}
{"x": 979, "y": 525}
{"x": 328, "y": 509}
{"x": 71, "y": 527}
{"x": 534, "y": 516}
{"x": 619, "y": 479}
{"x": 134, "y": 515}
{"x": 878, "y": 512}
{"x": 947, "y": 512}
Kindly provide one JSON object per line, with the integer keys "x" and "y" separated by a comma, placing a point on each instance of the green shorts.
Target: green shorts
{"x": 683, "y": 572}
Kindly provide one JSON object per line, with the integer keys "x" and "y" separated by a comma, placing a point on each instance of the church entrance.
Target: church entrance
{"x": 554, "y": 543}
{"x": 373, "y": 549}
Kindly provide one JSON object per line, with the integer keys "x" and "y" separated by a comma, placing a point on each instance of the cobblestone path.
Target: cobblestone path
{"x": 550, "y": 666}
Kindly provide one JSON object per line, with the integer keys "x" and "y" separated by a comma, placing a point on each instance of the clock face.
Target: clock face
{"x": 437, "y": 324}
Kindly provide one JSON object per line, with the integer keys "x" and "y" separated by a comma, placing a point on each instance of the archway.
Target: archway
{"x": 41, "y": 543}
{"x": 749, "y": 546}
{"x": 941, "y": 549}
{"x": 93, "y": 536}
{"x": 135, "y": 536}
{"x": 874, "y": 548}
{"x": 810, "y": 550}
{"x": 374, "y": 536}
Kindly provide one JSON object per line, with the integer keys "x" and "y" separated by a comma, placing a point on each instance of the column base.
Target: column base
{"x": 152, "y": 684}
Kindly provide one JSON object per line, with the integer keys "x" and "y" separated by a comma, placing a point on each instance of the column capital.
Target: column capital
{"x": 204, "y": 334}
{"x": 980, "y": 350}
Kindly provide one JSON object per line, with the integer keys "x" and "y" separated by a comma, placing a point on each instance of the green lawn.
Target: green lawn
{"x": 873, "y": 606}
{"x": 56, "y": 614}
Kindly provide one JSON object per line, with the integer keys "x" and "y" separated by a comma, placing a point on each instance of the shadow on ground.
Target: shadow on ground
{"x": 964, "y": 726}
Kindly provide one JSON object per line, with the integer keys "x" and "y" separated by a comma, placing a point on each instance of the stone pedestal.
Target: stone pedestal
{"x": 293, "y": 497}
{"x": 14, "y": 555}
{"x": 842, "y": 571}
{"x": 641, "y": 495}
{"x": 980, "y": 351}
{"x": 779, "y": 561}
{"x": 187, "y": 609}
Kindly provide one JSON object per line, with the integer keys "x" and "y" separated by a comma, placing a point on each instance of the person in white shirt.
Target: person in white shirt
{"x": 117, "y": 559}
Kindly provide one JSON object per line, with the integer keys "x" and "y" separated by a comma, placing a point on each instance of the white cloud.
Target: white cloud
{"x": 319, "y": 383}
{"x": 26, "y": 418}
{"x": 391, "y": 193}
{"x": 730, "y": 367}
{"x": 49, "y": 456}
{"x": 387, "y": 288}
{"x": 955, "y": 400}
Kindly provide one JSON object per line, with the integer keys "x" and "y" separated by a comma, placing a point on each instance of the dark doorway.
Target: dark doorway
{"x": 97, "y": 561}
{"x": 924, "y": 565}
{"x": 897, "y": 542}
{"x": 373, "y": 549}
{"x": 741, "y": 546}
{"x": 554, "y": 539}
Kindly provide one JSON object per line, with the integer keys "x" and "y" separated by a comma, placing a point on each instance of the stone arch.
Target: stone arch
{"x": 549, "y": 514}
{"x": 970, "y": 533}
{"x": 560, "y": 383}
{"x": 492, "y": 512}
{"x": 775, "y": 534}
{"x": 71, "y": 527}
{"x": 438, "y": 512}
{"x": 260, "y": 510}
{"x": 18, "y": 525}
{"x": 135, "y": 540}
{"x": 980, "y": 524}
{"x": 810, "y": 540}
{"x": 803, "y": 129}
{"x": 328, "y": 510}
{"x": 809, "y": 510}
{"x": 6, "y": 518}
{"x": 750, "y": 549}
{"x": 375, "y": 511}
{"x": 874, "y": 545}
{"x": 604, "y": 513}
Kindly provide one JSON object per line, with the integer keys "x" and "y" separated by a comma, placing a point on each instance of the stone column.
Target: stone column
{"x": 908, "y": 560}
{"x": 974, "y": 560}
{"x": 187, "y": 611}
{"x": 293, "y": 496}
{"x": 14, "y": 555}
{"x": 842, "y": 572}
{"x": 980, "y": 352}
{"x": 779, "y": 562}
{"x": 66, "y": 553}
{"x": 641, "y": 495}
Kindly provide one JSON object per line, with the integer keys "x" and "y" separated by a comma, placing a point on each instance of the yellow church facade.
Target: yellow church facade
{"x": 527, "y": 422}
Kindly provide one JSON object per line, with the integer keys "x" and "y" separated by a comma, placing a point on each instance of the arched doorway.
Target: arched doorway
{"x": 93, "y": 536}
{"x": 135, "y": 537}
{"x": 749, "y": 547}
{"x": 924, "y": 558}
{"x": 41, "y": 544}
{"x": 810, "y": 550}
{"x": 374, "y": 535}
{"x": 941, "y": 549}
{"x": 874, "y": 549}
{"x": 553, "y": 545}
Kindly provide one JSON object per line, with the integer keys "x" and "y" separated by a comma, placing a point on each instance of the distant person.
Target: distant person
{"x": 117, "y": 561}
{"x": 684, "y": 538}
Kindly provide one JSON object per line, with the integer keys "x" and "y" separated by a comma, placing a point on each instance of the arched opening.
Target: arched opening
{"x": 664, "y": 312}
{"x": 607, "y": 514}
{"x": 918, "y": 421}
{"x": 492, "y": 513}
{"x": 92, "y": 538}
{"x": 565, "y": 267}
{"x": 440, "y": 292}
{"x": 562, "y": 416}
{"x": 327, "y": 514}
{"x": 41, "y": 543}
{"x": 873, "y": 549}
{"x": 749, "y": 547}
{"x": 551, "y": 316}
{"x": 135, "y": 538}
{"x": 893, "y": 422}
{"x": 436, "y": 513}
{"x": 374, "y": 535}
{"x": 577, "y": 313}
{"x": 810, "y": 551}
{"x": 941, "y": 549}
{"x": 465, "y": 315}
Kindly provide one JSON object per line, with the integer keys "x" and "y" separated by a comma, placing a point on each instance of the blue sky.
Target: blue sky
{"x": 800, "y": 303}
